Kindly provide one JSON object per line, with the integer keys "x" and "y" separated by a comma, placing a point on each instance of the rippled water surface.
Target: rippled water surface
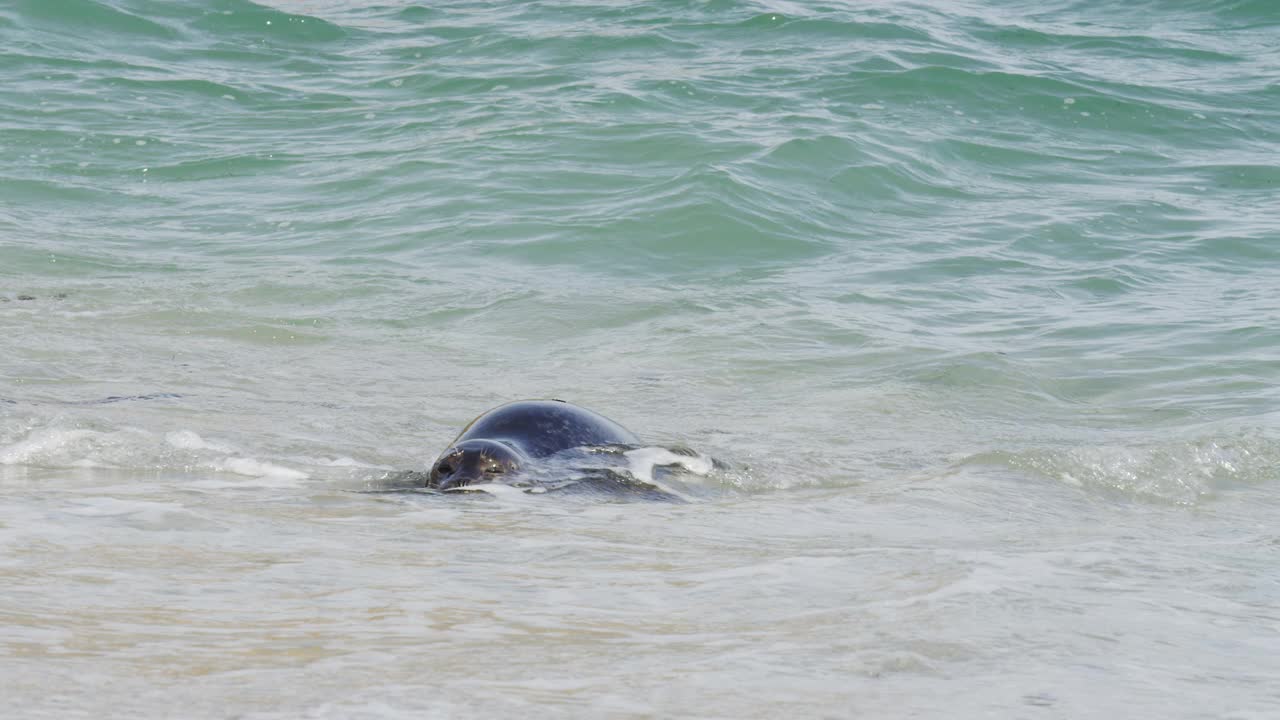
{"x": 976, "y": 302}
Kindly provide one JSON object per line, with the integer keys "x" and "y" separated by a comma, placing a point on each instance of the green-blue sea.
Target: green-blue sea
{"x": 974, "y": 303}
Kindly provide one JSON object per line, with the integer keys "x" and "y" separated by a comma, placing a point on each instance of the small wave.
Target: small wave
{"x": 1182, "y": 473}
{"x": 135, "y": 449}
{"x": 89, "y": 17}
{"x": 239, "y": 18}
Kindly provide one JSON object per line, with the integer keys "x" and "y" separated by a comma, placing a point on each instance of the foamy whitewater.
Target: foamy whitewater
{"x": 967, "y": 311}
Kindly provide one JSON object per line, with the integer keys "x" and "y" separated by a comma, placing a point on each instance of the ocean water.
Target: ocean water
{"x": 977, "y": 303}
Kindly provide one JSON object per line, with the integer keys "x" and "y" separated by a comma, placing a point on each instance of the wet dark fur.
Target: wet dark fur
{"x": 505, "y": 439}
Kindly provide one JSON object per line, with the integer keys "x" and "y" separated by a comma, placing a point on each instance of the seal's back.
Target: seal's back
{"x": 545, "y": 427}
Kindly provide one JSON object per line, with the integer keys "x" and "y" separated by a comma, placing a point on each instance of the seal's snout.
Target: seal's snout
{"x": 471, "y": 463}
{"x": 454, "y": 470}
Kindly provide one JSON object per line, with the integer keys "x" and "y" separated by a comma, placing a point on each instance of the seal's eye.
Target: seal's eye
{"x": 444, "y": 469}
{"x": 494, "y": 470}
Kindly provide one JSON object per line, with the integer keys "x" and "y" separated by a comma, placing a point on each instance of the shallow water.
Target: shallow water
{"x": 976, "y": 301}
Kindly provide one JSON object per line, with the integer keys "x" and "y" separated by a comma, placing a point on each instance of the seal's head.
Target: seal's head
{"x": 471, "y": 462}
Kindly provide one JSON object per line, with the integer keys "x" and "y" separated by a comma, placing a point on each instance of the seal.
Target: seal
{"x": 509, "y": 437}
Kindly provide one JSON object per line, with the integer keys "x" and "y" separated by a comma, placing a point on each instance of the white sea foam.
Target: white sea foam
{"x": 347, "y": 462}
{"x": 500, "y": 490}
{"x": 41, "y": 445}
{"x": 188, "y": 440}
{"x": 250, "y": 467}
{"x": 1178, "y": 472}
{"x": 136, "y": 449}
{"x": 643, "y": 461}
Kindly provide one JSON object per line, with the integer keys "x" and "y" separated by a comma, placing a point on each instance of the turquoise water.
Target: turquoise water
{"x": 977, "y": 301}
